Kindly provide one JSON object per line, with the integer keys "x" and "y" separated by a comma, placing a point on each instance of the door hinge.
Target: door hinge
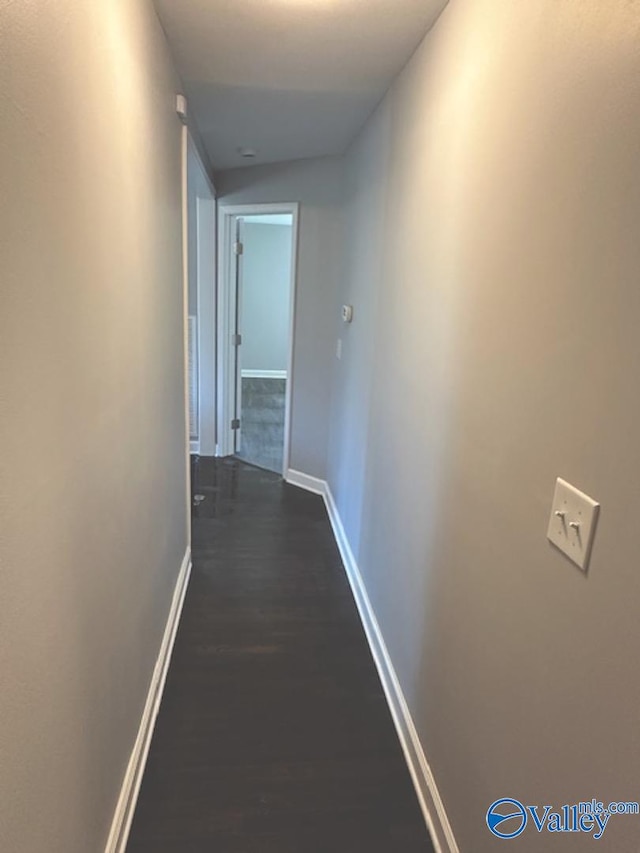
{"x": 238, "y": 248}
{"x": 236, "y": 340}
{"x": 235, "y": 423}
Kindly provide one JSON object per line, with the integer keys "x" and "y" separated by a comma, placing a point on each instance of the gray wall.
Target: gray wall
{"x": 198, "y": 185}
{"x": 194, "y": 182}
{"x": 493, "y": 258}
{"x": 266, "y": 296}
{"x": 317, "y": 185}
{"x": 92, "y": 428}
{"x": 201, "y": 262}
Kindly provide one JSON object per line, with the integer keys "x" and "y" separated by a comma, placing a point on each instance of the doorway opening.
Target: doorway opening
{"x": 257, "y": 298}
{"x": 201, "y": 273}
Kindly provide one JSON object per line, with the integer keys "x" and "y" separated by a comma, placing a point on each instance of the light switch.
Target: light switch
{"x": 572, "y": 524}
{"x": 339, "y": 348}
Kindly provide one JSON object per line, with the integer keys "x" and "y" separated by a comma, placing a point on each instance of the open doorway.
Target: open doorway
{"x": 201, "y": 271}
{"x": 257, "y": 294}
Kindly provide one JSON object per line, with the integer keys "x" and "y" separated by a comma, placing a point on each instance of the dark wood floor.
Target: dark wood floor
{"x": 274, "y": 735}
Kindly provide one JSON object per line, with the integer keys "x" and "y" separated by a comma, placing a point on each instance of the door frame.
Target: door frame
{"x": 184, "y": 187}
{"x": 227, "y": 213}
{"x": 201, "y": 239}
{"x": 206, "y": 279}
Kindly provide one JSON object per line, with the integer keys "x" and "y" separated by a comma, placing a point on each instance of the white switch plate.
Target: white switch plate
{"x": 572, "y": 524}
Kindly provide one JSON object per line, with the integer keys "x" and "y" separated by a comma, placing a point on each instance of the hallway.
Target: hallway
{"x": 274, "y": 735}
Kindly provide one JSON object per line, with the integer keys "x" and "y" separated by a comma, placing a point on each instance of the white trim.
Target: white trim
{"x": 421, "y": 773}
{"x": 288, "y": 400}
{"x": 305, "y": 481}
{"x": 423, "y": 780}
{"x": 184, "y": 162}
{"x": 127, "y": 800}
{"x": 194, "y": 447}
{"x": 206, "y": 286}
{"x": 226, "y": 215}
{"x": 263, "y": 374}
{"x": 201, "y": 232}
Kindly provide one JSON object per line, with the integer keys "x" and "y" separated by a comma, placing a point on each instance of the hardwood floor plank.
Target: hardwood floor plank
{"x": 274, "y": 735}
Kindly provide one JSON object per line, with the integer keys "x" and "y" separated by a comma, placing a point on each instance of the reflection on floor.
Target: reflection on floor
{"x": 274, "y": 735}
{"x": 262, "y": 419}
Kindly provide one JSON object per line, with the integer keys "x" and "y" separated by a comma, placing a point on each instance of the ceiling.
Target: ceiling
{"x": 288, "y": 78}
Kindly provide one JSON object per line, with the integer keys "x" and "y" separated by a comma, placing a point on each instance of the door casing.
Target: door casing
{"x": 227, "y": 215}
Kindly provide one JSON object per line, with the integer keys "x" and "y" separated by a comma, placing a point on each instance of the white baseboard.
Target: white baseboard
{"x": 424, "y": 782}
{"x": 304, "y": 481}
{"x": 125, "y": 808}
{"x": 264, "y": 374}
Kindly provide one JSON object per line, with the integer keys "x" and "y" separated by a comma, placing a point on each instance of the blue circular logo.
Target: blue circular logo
{"x": 506, "y": 818}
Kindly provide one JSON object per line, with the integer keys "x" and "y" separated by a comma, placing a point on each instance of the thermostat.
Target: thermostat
{"x": 347, "y": 313}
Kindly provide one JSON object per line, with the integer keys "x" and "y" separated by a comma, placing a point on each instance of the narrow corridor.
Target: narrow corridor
{"x": 274, "y": 735}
